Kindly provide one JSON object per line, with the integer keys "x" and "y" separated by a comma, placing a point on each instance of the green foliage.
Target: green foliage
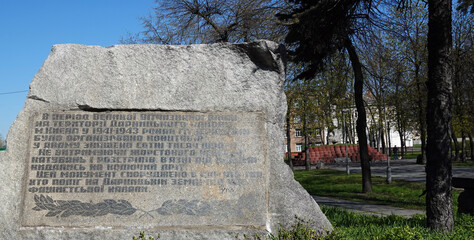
{"x": 400, "y": 233}
{"x": 142, "y": 236}
{"x": 301, "y": 230}
{"x": 459, "y": 144}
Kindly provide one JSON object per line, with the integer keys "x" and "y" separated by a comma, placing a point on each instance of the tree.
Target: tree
{"x": 439, "y": 205}
{"x": 377, "y": 67}
{"x": 409, "y": 27}
{"x": 387, "y": 84}
{"x": 210, "y": 21}
{"x": 463, "y": 88}
{"x": 290, "y": 98}
{"x": 304, "y": 109}
{"x": 465, "y": 5}
{"x": 317, "y": 30}
{"x": 331, "y": 90}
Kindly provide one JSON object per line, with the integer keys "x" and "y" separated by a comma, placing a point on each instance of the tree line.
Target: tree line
{"x": 409, "y": 61}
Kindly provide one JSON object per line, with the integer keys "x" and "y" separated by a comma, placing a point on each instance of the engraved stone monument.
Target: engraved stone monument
{"x": 184, "y": 141}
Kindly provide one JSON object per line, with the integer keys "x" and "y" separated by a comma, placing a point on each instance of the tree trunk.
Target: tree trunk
{"x": 305, "y": 135}
{"x": 350, "y": 129}
{"x": 471, "y": 144}
{"x": 353, "y": 131}
{"x": 373, "y": 131}
{"x": 389, "y": 140}
{"x": 422, "y": 122}
{"x": 439, "y": 205}
{"x": 401, "y": 143}
{"x": 306, "y": 152}
{"x": 381, "y": 130}
{"x": 361, "y": 116}
{"x": 327, "y": 137}
{"x": 451, "y": 151}
{"x": 288, "y": 140}
{"x": 463, "y": 146}
{"x": 456, "y": 148}
{"x": 421, "y": 114}
{"x": 404, "y": 143}
{"x": 377, "y": 139}
{"x": 382, "y": 137}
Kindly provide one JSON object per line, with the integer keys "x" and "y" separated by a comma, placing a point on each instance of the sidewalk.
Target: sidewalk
{"x": 366, "y": 208}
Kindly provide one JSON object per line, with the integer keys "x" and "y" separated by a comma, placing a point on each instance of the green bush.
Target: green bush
{"x": 300, "y": 230}
{"x": 142, "y": 236}
{"x": 401, "y": 233}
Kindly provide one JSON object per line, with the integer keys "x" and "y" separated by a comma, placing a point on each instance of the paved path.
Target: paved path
{"x": 406, "y": 169}
{"x": 366, "y": 208}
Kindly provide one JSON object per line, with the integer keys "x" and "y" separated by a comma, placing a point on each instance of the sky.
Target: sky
{"x": 29, "y": 28}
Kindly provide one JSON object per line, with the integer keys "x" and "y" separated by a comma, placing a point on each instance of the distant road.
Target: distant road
{"x": 405, "y": 169}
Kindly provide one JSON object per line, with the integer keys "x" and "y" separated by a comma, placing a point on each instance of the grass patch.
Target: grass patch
{"x": 464, "y": 164}
{"x": 332, "y": 183}
{"x": 411, "y": 155}
{"x": 349, "y": 225}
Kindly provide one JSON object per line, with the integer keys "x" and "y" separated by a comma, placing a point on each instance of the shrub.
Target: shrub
{"x": 142, "y": 236}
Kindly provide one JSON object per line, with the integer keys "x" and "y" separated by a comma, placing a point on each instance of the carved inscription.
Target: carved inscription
{"x": 150, "y": 161}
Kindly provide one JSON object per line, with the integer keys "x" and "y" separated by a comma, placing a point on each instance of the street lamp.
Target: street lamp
{"x": 348, "y": 171}
{"x": 389, "y": 169}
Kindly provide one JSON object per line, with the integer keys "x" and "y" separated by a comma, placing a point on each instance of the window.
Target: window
{"x": 298, "y": 133}
{"x": 286, "y": 148}
{"x": 299, "y": 147}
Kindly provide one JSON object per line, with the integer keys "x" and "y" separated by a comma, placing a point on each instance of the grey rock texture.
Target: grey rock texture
{"x": 199, "y": 78}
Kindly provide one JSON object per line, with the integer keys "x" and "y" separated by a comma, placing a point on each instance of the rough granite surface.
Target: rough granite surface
{"x": 198, "y": 78}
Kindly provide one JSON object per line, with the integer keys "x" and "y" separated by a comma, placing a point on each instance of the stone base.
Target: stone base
{"x": 241, "y": 79}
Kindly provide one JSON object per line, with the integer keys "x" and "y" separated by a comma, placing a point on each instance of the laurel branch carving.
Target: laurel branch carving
{"x": 66, "y": 208}
{"x": 182, "y": 206}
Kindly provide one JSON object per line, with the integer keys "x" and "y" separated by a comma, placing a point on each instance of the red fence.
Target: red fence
{"x": 329, "y": 153}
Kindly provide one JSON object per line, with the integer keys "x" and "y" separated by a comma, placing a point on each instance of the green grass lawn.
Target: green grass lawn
{"x": 464, "y": 164}
{"x": 349, "y": 225}
{"x": 332, "y": 183}
{"x": 414, "y": 154}
{"x": 353, "y": 226}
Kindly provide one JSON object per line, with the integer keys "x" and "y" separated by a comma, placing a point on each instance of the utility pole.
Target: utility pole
{"x": 389, "y": 169}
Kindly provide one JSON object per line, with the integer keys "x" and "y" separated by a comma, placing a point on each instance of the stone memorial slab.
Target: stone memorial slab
{"x": 165, "y": 168}
{"x": 181, "y": 141}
